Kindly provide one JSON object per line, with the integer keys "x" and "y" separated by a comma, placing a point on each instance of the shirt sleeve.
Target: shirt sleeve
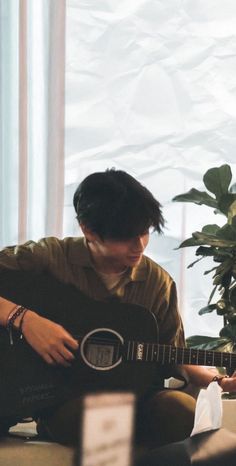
{"x": 171, "y": 329}
{"x": 30, "y": 256}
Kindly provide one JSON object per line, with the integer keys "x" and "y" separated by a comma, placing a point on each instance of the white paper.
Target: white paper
{"x": 208, "y": 414}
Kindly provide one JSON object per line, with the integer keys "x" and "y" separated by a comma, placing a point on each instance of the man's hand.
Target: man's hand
{"x": 228, "y": 384}
{"x": 50, "y": 340}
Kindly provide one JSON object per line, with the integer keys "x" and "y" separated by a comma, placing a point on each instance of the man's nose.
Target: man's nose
{"x": 138, "y": 243}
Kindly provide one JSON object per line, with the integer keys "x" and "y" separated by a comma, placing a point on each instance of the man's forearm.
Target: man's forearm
{"x": 199, "y": 375}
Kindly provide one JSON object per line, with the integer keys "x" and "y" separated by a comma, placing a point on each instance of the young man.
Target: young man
{"x": 116, "y": 214}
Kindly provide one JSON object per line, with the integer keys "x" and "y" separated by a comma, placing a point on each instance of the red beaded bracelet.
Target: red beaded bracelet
{"x": 16, "y": 312}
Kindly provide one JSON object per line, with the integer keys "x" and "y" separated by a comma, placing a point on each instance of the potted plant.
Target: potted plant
{"x": 219, "y": 243}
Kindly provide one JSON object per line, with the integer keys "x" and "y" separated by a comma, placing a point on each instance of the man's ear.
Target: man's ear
{"x": 89, "y": 234}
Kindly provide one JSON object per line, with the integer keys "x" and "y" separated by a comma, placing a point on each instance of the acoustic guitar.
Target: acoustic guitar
{"x": 119, "y": 347}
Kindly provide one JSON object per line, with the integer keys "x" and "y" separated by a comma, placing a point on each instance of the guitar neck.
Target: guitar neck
{"x": 166, "y": 354}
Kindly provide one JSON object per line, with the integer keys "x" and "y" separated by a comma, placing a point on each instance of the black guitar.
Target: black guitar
{"x": 119, "y": 347}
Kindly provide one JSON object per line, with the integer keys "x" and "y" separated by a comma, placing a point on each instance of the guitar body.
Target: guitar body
{"x": 28, "y": 384}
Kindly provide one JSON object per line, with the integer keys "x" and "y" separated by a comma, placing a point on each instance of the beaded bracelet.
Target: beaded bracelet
{"x": 21, "y": 323}
{"x": 16, "y": 312}
{"x": 219, "y": 378}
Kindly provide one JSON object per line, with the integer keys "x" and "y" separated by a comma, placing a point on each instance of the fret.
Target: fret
{"x": 193, "y": 356}
{"x": 173, "y": 354}
{"x": 226, "y": 359}
{"x": 176, "y": 355}
{"x": 217, "y": 359}
{"x": 209, "y": 358}
{"x": 152, "y": 353}
{"x": 132, "y": 353}
{"x": 163, "y": 355}
{"x": 185, "y": 355}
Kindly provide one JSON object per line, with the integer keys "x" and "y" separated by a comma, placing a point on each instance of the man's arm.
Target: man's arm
{"x": 50, "y": 340}
{"x": 201, "y": 376}
{"x": 5, "y": 308}
{"x": 171, "y": 332}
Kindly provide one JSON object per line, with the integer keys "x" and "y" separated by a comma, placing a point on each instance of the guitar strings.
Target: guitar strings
{"x": 201, "y": 352}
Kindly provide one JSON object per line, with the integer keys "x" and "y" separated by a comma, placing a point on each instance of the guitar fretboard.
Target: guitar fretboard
{"x": 166, "y": 354}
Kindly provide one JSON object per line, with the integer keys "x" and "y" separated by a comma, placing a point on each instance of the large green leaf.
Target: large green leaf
{"x": 211, "y": 240}
{"x": 207, "y": 251}
{"x": 225, "y": 202}
{"x": 223, "y": 273}
{"x": 189, "y": 242}
{"x": 200, "y": 239}
{"x": 225, "y": 266}
{"x": 226, "y": 232}
{"x": 211, "y": 229}
{"x": 233, "y": 223}
{"x": 207, "y": 309}
{"x": 229, "y": 331}
{"x": 233, "y": 295}
{"x": 221, "y": 254}
{"x": 218, "y": 254}
{"x": 218, "y": 179}
{"x": 209, "y": 343}
{"x": 197, "y": 197}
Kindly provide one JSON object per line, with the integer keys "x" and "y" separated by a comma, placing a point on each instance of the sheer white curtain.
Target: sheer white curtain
{"x": 32, "y": 73}
{"x": 150, "y": 89}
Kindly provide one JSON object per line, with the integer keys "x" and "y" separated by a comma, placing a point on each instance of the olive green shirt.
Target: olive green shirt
{"x": 69, "y": 261}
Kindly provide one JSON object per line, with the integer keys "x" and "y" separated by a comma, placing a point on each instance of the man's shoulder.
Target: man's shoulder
{"x": 65, "y": 243}
{"x": 71, "y": 247}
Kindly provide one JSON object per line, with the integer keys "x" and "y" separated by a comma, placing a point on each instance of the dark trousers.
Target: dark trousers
{"x": 166, "y": 416}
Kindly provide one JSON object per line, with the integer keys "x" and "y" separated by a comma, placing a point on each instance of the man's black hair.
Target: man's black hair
{"x": 114, "y": 205}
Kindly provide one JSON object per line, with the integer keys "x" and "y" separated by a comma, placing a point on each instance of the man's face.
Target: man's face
{"x": 127, "y": 253}
{"x": 115, "y": 255}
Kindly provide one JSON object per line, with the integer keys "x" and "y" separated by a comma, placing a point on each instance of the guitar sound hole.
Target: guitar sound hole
{"x": 101, "y": 349}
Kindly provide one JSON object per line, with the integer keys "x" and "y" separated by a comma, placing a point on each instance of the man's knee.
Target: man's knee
{"x": 167, "y": 416}
{"x": 61, "y": 424}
